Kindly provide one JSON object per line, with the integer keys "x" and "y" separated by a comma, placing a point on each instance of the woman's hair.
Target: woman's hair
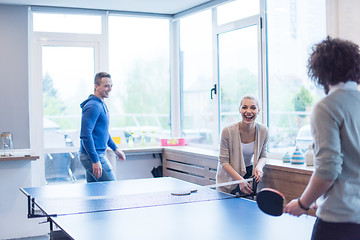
{"x": 333, "y": 61}
{"x": 250, "y": 97}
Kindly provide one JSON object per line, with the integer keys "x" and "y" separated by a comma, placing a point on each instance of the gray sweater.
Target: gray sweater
{"x": 231, "y": 152}
{"x": 335, "y": 127}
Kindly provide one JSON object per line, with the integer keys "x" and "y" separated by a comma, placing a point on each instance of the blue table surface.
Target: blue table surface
{"x": 105, "y": 196}
{"x": 234, "y": 218}
{"x": 115, "y": 188}
{"x": 206, "y": 214}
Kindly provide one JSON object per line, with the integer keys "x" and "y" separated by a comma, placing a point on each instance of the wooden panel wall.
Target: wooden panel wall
{"x": 190, "y": 167}
{"x": 201, "y": 169}
{"x": 289, "y": 182}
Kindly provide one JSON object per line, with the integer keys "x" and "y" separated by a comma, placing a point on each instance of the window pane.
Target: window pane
{"x": 237, "y": 10}
{"x": 67, "y": 81}
{"x": 238, "y": 71}
{"x": 293, "y": 26}
{"x": 68, "y": 74}
{"x": 198, "y": 118}
{"x": 139, "y": 66}
{"x": 66, "y": 23}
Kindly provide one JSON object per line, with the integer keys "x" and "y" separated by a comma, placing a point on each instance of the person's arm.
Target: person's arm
{"x": 120, "y": 154}
{"x": 259, "y": 169}
{"x": 111, "y": 143}
{"x": 97, "y": 169}
{"x": 89, "y": 117}
{"x": 245, "y": 187}
{"x": 224, "y": 159}
{"x": 317, "y": 186}
{"x": 262, "y": 159}
{"x": 328, "y": 160}
{"x": 88, "y": 121}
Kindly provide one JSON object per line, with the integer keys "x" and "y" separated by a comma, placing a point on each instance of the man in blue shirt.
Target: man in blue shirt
{"x": 94, "y": 134}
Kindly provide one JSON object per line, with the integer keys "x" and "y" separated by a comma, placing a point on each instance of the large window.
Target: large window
{"x": 68, "y": 56}
{"x": 220, "y": 61}
{"x": 140, "y": 68}
{"x": 273, "y": 70}
{"x": 235, "y": 10}
{"x": 293, "y": 26}
{"x": 238, "y": 70}
{"x": 66, "y": 23}
{"x": 223, "y": 54}
{"x": 70, "y": 49}
{"x": 198, "y": 118}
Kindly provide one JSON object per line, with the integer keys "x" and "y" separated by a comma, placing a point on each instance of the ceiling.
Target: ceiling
{"x": 144, "y": 6}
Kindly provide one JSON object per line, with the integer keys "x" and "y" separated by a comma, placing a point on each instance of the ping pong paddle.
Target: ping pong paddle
{"x": 184, "y": 192}
{"x": 270, "y": 201}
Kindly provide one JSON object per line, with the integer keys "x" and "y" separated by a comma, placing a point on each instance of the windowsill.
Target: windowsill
{"x": 184, "y": 149}
{"x": 298, "y": 168}
{"x": 194, "y": 150}
{"x": 16, "y": 158}
{"x": 137, "y": 150}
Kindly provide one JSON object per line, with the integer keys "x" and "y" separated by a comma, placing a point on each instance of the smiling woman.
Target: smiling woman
{"x": 249, "y": 109}
{"x": 243, "y": 150}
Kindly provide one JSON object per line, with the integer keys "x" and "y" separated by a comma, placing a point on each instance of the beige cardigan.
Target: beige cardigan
{"x": 231, "y": 152}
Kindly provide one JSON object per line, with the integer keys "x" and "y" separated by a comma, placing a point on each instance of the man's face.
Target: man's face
{"x": 102, "y": 91}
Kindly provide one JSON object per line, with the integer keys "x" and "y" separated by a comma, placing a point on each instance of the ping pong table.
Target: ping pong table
{"x": 147, "y": 209}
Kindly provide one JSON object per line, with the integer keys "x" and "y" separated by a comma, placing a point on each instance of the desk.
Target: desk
{"x": 206, "y": 214}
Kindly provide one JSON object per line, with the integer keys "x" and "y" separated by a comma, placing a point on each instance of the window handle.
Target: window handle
{"x": 213, "y": 90}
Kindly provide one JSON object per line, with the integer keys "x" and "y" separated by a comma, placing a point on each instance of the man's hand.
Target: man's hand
{"x": 120, "y": 154}
{"x": 293, "y": 208}
{"x": 97, "y": 169}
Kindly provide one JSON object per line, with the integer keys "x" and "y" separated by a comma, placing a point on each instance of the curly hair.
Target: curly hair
{"x": 333, "y": 61}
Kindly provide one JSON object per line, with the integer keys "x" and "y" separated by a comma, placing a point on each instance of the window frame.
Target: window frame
{"x": 37, "y": 41}
{"x": 260, "y": 21}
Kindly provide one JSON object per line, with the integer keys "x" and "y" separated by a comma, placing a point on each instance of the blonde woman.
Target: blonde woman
{"x": 243, "y": 149}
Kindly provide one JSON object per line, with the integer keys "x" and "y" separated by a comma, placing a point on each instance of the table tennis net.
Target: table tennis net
{"x": 78, "y": 205}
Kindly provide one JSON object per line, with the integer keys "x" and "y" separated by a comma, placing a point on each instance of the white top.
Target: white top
{"x": 248, "y": 152}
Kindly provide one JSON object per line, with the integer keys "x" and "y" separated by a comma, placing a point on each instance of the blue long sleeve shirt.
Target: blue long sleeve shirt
{"x": 94, "y": 134}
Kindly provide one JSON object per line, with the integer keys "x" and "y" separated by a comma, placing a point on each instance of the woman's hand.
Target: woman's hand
{"x": 258, "y": 174}
{"x": 245, "y": 187}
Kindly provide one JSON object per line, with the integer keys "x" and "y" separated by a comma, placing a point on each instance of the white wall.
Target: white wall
{"x": 348, "y": 20}
{"x": 344, "y": 19}
{"x": 14, "y": 96}
{"x": 14, "y": 223}
{"x": 14, "y": 117}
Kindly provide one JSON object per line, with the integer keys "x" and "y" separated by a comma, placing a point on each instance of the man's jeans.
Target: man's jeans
{"x": 107, "y": 173}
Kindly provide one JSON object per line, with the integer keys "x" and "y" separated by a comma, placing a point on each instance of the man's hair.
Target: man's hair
{"x": 100, "y": 75}
{"x": 333, "y": 61}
